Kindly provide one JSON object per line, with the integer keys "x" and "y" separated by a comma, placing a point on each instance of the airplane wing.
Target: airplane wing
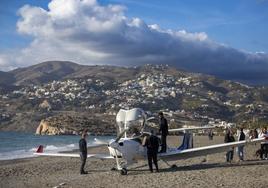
{"x": 40, "y": 152}
{"x": 190, "y": 129}
{"x": 175, "y": 154}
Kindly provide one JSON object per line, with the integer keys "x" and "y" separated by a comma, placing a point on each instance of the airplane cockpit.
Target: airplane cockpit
{"x": 131, "y": 122}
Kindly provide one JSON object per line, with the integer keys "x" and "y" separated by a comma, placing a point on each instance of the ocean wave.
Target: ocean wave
{"x": 54, "y": 148}
{"x": 15, "y": 145}
{"x": 18, "y": 154}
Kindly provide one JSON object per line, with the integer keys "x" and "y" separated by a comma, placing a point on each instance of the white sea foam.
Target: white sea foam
{"x": 15, "y": 145}
{"x": 53, "y": 148}
{"x": 17, "y": 154}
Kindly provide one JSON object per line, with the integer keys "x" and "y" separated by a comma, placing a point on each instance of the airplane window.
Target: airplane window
{"x": 132, "y": 120}
{"x": 120, "y": 127}
{"x": 134, "y": 128}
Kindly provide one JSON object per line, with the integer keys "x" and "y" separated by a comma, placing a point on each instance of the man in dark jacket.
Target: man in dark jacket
{"x": 83, "y": 151}
{"x": 164, "y": 131}
{"x": 152, "y": 144}
{"x": 240, "y": 149}
{"x": 229, "y": 138}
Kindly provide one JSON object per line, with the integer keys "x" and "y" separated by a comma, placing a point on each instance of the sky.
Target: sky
{"x": 226, "y": 38}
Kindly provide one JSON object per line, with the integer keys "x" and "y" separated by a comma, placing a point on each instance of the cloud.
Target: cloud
{"x": 5, "y": 62}
{"x": 86, "y": 32}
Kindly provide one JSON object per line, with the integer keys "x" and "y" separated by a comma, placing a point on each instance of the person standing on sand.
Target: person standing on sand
{"x": 240, "y": 149}
{"x": 210, "y": 135}
{"x": 152, "y": 144}
{"x": 255, "y": 133}
{"x": 229, "y": 138}
{"x": 164, "y": 131}
{"x": 83, "y": 151}
{"x": 264, "y": 145}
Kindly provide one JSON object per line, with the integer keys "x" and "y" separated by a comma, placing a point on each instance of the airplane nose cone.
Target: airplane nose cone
{"x": 113, "y": 144}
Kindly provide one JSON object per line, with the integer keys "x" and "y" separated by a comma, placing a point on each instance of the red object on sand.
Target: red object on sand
{"x": 40, "y": 149}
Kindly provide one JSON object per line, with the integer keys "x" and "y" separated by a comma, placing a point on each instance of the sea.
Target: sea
{"x": 15, "y": 145}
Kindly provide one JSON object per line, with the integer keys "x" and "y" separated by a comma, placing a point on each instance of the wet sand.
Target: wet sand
{"x": 215, "y": 172}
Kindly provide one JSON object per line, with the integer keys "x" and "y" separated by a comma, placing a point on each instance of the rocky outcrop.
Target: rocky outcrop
{"x": 45, "y": 128}
{"x": 75, "y": 124}
{"x": 45, "y": 105}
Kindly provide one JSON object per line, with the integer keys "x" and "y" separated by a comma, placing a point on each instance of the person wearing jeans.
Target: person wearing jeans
{"x": 240, "y": 149}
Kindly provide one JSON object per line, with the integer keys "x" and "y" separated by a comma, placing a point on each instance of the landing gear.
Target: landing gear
{"x": 121, "y": 166}
{"x": 123, "y": 171}
{"x": 174, "y": 166}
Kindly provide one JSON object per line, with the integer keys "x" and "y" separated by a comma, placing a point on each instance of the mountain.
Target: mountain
{"x": 44, "y": 72}
{"x": 49, "y": 90}
{"x": 6, "y": 82}
{"x": 58, "y": 70}
{"x": 6, "y": 78}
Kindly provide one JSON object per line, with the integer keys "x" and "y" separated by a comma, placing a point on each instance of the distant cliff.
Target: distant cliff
{"x": 73, "y": 125}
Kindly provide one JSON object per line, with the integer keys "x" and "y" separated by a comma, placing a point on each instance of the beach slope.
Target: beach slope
{"x": 195, "y": 172}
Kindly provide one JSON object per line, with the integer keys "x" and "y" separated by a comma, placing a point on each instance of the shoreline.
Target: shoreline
{"x": 7, "y": 161}
{"x": 18, "y": 146}
{"x": 194, "y": 172}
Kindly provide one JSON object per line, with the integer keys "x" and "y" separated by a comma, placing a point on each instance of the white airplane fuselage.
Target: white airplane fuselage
{"x": 127, "y": 149}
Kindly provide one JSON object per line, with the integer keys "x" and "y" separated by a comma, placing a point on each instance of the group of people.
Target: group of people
{"x": 229, "y": 137}
{"x": 151, "y": 142}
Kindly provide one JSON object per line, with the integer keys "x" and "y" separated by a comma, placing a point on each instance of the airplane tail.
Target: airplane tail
{"x": 187, "y": 142}
{"x": 40, "y": 149}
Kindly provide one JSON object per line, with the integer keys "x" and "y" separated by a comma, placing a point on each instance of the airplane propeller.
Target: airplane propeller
{"x": 114, "y": 143}
{"x": 99, "y": 143}
{"x": 120, "y": 135}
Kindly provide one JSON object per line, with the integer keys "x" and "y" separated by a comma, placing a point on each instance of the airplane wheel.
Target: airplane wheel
{"x": 113, "y": 169}
{"x": 173, "y": 166}
{"x": 123, "y": 171}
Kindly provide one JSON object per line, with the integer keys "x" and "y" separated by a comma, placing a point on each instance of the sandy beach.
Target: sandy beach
{"x": 64, "y": 172}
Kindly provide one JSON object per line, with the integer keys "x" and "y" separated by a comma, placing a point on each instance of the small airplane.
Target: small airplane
{"x": 127, "y": 148}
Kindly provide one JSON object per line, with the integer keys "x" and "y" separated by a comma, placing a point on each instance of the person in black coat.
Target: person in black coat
{"x": 164, "y": 131}
{"x": 152, "y": 144}
{"x": 229, "y": 138}
{"x": 210, "y": 135}
{"x": 240, "y": 149}
{"x": 255, "y": 133}
{"x": 83, "y": 151}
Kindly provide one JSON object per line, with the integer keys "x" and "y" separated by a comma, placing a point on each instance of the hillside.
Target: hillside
{"x": 6, "y": 82}
{"x": 6, "y": 78}
{"x": 60, "y": 70}
{"x": 51, "y": 89}
{"x": 44, "y": 72}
